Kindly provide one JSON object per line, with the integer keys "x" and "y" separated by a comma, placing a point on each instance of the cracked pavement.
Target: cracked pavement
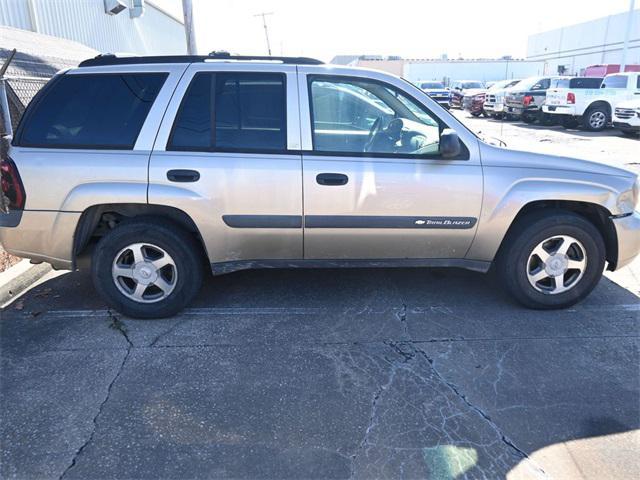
{"x": 405, "y": 373}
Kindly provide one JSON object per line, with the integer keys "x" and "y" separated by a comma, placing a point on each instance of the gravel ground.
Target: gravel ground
{"x": 7, "y": 260}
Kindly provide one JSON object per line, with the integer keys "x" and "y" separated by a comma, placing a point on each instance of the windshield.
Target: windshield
{"x": 432, "y": 85}
{"x": 472, "y": 85}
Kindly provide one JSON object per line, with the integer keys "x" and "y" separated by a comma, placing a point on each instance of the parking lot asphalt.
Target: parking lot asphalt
{"x": 407, "y": 373}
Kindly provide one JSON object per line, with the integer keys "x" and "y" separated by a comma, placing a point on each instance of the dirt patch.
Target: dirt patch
{"x": 7, "y": 260}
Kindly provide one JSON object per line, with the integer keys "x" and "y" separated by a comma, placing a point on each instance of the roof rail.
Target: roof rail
{"x": 111, "y": 59}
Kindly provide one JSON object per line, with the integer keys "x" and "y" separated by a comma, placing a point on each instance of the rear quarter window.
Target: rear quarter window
{"x": 104, "y": 111}
{"x": 615, "y": 81}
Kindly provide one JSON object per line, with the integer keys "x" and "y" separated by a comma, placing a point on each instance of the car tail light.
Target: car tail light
{"x": 527, "y": 100}
{"x": 571, "y": 97}
{"x": 12, "y": 188}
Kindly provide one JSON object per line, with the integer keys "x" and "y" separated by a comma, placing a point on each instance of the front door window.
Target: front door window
{"x": 366, "y": 117}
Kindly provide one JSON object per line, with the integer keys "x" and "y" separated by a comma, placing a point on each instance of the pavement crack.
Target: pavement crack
{"x": 456, "y": 390}
{"x": 116, "y": 324}
{"x": 402, "y": 316}
{"x": 406, "y": 358}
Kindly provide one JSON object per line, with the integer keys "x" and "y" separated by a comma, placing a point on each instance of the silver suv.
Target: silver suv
{"x": 161, "y": 167}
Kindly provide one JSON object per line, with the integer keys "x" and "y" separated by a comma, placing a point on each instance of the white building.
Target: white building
{"x": 484, "y": 70}
{"x": 443, "y": 70}
{"x": 114, "y": 26}
{"x": 576, "y": 47}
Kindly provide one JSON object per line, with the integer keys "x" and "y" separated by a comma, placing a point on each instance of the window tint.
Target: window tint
{"x": 92, "y": 111}
{"x": 615, "y": 81}
{"x": 192, "y": 127}
{"x": 360, "y": 116}
{"x": 250, "y": 113}
{"x": 585, "y": 82}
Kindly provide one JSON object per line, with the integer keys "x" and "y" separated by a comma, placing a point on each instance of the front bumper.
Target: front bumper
{"x": 628, "y": 233}
{"x": 40, "y": 236}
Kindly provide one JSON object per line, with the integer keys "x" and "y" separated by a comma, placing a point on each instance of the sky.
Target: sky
{"x": 408, "y": 28}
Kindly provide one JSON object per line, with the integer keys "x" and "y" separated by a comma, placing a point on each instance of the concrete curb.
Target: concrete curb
{"x": 20, "y": 277}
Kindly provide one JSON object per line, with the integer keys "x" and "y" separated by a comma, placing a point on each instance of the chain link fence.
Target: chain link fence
{"x": 19, "y": 92}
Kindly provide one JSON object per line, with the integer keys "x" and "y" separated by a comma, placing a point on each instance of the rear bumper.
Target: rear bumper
{"x": 628, "y": 232}
{"x": 560, "y": 110}
{"x": 494, "y": 107}
{"x": 40, "y": 236}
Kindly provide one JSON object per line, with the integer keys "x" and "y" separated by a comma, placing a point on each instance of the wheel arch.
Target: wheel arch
{"x": 600, "y": 103}
{"x": 96, "y": 220}
{"x": 597, "y": 215}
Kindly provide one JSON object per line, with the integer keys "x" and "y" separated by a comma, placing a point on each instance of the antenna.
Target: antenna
{"x": 266, "y": 30}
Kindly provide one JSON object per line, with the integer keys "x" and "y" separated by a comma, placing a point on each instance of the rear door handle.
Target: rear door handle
{"x": 332, "y": 179}
{"x": 183, "y": 176}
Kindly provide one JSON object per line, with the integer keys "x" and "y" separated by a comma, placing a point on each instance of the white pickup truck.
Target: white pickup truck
{"x": 589, "y": 104}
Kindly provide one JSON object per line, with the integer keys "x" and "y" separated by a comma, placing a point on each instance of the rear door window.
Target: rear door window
{"x": 91, "y": 111}
{"x": 247, "y": 109}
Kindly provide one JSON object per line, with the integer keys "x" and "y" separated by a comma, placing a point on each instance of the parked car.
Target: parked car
{"x": 494, "y": 100}
{"x": 438, "y": 92}
{"x": 591, "y": 105}
{"x": 525, "y": 100}
{"x": 262, "y": 162}
{"x": 626, "y": 117}
{"x": 474, "y": 102}
{"x": 460, "y": 88}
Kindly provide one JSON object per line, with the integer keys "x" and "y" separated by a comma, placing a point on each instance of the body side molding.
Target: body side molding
{"x": 222, "y": 268}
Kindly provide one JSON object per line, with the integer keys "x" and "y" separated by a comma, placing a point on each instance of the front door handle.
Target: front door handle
{"x": 332, "y": 179}
{"x": 183, "y": 176}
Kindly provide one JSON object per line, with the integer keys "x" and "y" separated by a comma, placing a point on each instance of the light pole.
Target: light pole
{"x": 623, "y": 62}
{"x": 187, "y": 11}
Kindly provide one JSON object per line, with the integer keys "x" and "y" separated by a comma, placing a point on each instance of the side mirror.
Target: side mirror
{"x": 449, "y": 144}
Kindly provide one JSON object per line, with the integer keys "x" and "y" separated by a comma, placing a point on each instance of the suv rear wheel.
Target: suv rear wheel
{"x": 552, "y": 260}
{"x": 596, "y": 118}
{"x": 147, "y": 268}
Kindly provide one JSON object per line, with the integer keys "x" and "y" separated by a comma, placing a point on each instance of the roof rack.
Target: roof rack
{"x": 111, "y": 59}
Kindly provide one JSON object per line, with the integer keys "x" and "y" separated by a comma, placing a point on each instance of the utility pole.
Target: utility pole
{"x": 266, "y": 30}
{"x": 623, "y": 63}
{"x": 187, "y": 11}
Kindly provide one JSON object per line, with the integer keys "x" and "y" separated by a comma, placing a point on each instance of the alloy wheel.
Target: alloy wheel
{"x": 556, "y": 264}
{"x": 144, "y": 273}
{"x": 597, "y": 120}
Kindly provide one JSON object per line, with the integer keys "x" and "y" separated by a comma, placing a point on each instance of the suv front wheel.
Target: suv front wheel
{"x": 147, "y": 268}
{"x": 552, "y": 259}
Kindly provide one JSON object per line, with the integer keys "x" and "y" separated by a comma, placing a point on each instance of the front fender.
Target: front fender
{"x": 507, "y": 192}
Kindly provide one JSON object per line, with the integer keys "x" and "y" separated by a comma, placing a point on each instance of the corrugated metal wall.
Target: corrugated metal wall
{"x": 575, "y": 47}
{"x": 86, "y": 22}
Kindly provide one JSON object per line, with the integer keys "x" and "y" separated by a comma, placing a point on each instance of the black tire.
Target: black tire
{"x": 526, "y": 118}
{"x": 588, "y": 119}
{"x": 476, "y": 114}
{"x": 179, "y": 244}
{"x": 512, "y": 262}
